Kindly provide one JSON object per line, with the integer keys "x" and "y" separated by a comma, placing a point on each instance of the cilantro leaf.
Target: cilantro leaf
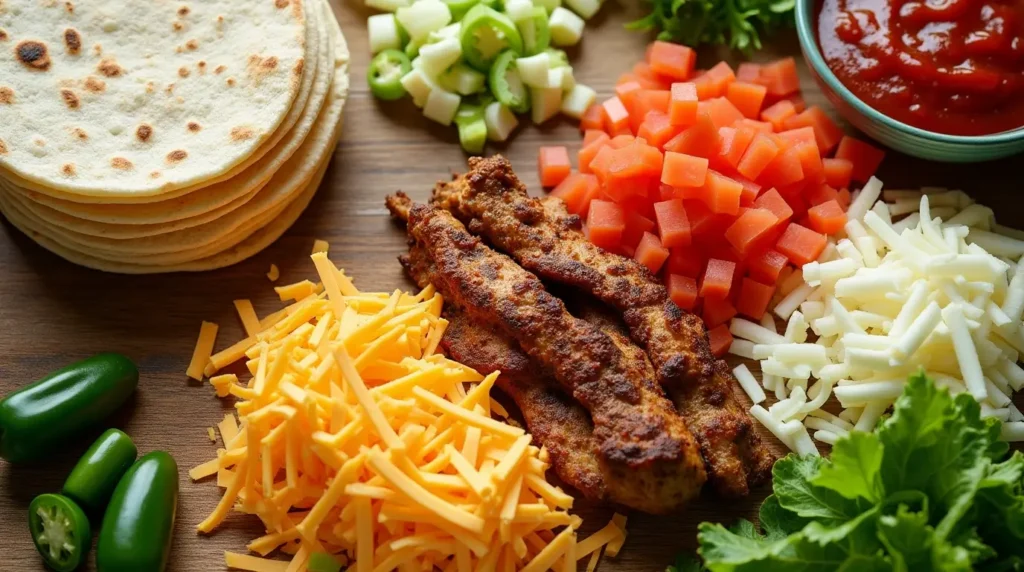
{"x": 736, "y": 23}
{"x": 854, "y": 469}
{"x": 777, "y": 522}
{"x": 792, "y": 476}
{"x": 686, "y": 563}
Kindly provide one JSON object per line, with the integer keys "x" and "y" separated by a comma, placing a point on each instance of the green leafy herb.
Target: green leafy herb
{"x": 931, "y": 490}
{"x": 736, "y": 23}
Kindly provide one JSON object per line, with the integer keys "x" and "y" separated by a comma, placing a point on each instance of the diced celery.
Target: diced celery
{"x": 534, "y": 70}
{"x": 441, "y": 106}
{"x": 437, "y": 58}
{"x": 388, "y": 5}
{"x": 412, "y": 49}
{"x": 418, "y": 85}
{"x": 449, "y": 31}
{"x": 566, "y": 27}
{"x": 546, "y": 101}
{"x": 548, "y": 5}
{"x": 500, "y": 121}
{"x": 424, "y": 17}
{"x": 518, "y": 10}
{"x": 568, "y": 79}
{"x": 555, "y": 78}
{"x": 585, "y": 8}
{"x": 463, "y": 80}
{"x": 472, "y": 128}
{"x": 558, "y": 57}
{"x": 578, "y": 101}
{"x": 383, "y": 32}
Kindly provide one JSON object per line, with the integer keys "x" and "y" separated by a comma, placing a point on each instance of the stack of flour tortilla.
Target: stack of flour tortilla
{"x": 144, "y": 136}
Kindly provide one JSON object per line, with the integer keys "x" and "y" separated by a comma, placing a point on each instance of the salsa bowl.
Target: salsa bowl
{"x": 892, "y": 133}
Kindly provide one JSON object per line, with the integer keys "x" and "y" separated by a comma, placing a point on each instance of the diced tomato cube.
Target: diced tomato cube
{"x": 715, "y": 81}
{"x": 699, "y": 140}
{"x": 683, "y": 104}
{"x": 651, "y": 253}
{"x": 670, "y": 60}
{"x": 686, "y": 261}
{"x": 646, "y": 101}
{"x": 826, "y": 133}
{"x": 772, "y": 201}
{"x": 754, "y": 298}
{"x": 827, "y": 218}
{"x": 838, "y": 172}
{"x": 657, "y": 129}
{"x": 606, "y": 222}
{"x": 553, "y": 165}
{"x": 747, "y": 97}
{"x": 766, "y": 265}
{"x": 864, "y": 157}
{"x": 717, "y": 279}
{"x": 720, "y": 339}
{"x": 733, "y": 142}
{"x": 593, "y": 118}
{"x": 748, "y": 72}
{"x": 682, "y": 290}
{"x": 778, "y": 113}
{"x": 745, "y": 234}
{"x": 780, "y": 77}
{"x": 722, "y": 194}
{"x": 722, "y": 112}
{"x": 716, "y": 313}
{"x": 673, "y": 224}
{"x": 615, "y": 115}
{"x": 759, "y": 154}
{"x": 784, "y": 170}
{"x": 636, "y": 225}
{"x": 577, "y": 190}
{"x": 817, "y": 194}
{"x": 681, "y": 170}
{"x": 801, "y": 244}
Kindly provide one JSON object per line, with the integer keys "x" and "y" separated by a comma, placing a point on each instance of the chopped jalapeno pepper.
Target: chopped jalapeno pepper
{"x": 486, "y": 33}
{"x": 323, "y": 562}
{"x": 60, "y": 531}
{"x": 535, "y": 31}
{"x": 559, "y": 59}
{"x": 459, "y": 8}
{"x": 506, "y": 85}
{"x": 386, "y": 72}
{"x": 472, "y": 127}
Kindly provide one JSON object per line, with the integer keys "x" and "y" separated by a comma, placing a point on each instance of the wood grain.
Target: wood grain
{"x": 52, "y": 313}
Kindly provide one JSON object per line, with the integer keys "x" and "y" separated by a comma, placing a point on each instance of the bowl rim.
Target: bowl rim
{"x": 812, "y": 52}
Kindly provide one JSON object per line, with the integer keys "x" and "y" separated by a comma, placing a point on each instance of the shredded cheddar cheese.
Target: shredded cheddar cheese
{"x": 274, "y": 273}
{"x": 320, "y": 246}
{"x": 355, "y": 438}
{"x": 202, "y": 351}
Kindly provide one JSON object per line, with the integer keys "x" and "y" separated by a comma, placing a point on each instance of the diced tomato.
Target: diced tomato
{"x": 683, "y": 104}
{"x": 733, "y": 142}
{"x": 749, "y": 228}
{"x": 717, "y": 279}
{"x": 766, "y": 265}
{"x": 801, "y": 244}
{"x": 686, "y": 261}
{"x": 722, "y": 194}
{"x": 784, "y": 170}
{"x": 844, "y": 198}
{"x": 700, "y": 140}
{"x": 553, "y": 165}
{"x": 754, "y": 298}
{"x": 748, "y": 72}
{"x": 794, "y": 195}
{"x": 632, "y": 169}
{"x": 838, "y": 172}
{"x": 750, "y": 190}
{"x": 759, "y": 154}
{"x": 715, "y": 81}
{"x": 778, "y": 113}
{"x": 682, "y": 290}
{"x": 606, "y": 222}
{"x": 681, "y": 170}
{"x": 626, "y": 92}
{"x": 716, "y": 313}
{"x": 864, "y": 157}
{"x": 705, "y": 226}
{"x": 723, "y": 113}
{"x": 822, "y": 193}
{"x": 646, "y": 101}
{"x": 800, "y": 135}
{"x": 651, "y": 253}
{"x": 592, "y": 135}
{"x": 747, "y": 97}
{"x": 671, "y": 60}
{"x": 589, "y": 152}
{"x": 636, "y": 225}
{"x": 576, "y": 191}
{"x": 593, "y": 118}
{"x": 798, "y": 102}
{"x": 826, "y": 132}
{"x": 615, "y": 115}
{"x": 720, "y": 339}
{"x": 772, "y": 201}
{"x": 827, "y": 218}
{"x": 673, "y": 224}
{"x": 657, "y": 129}
{"x": 780, "y": 77}
{"x": 645, "y": 76}
{"x": 810, "y": 162}
{"x": 620, "y": 141}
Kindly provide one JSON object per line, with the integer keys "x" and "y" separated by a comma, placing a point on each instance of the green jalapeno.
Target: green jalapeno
{"x": 535, "y": 31}
{"x": 44, "y": 417}
{"x": 97, "y": 473}
{"x": 385, "y": 74}
{"x": 459, "y": 8}
{"x": 323, "y": 562}
{"x": 60, "y": 531}
{"x": 506, "y": 85}
{"x": 472, "y": 127}
{"x": 139, "y": 522}
{"x": 485, "y": 34}
{"x": 559, "y": 59}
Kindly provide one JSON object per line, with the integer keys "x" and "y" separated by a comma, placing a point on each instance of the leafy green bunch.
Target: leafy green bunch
{"x": 736, "y": 23}
{"x": 931, "y": 489}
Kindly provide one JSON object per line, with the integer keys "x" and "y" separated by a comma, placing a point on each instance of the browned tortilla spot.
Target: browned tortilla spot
{"x": 33, "y": 54}
{"x": 70, "y": 99}
{"x": 98, "y": 49}
{"x": 194, "y": 127}
{"x": 68, "y": 169}
{"x": 3, "y": 35}
{"x": 241, "y": 133}
{"x": 69, "y": 7}
{"x": 183, "y": 71}
{"x": 143, "y": 132}
{"x": 94, "y": 84}
{"x": 150, "y": 87}
{"x": 176, "y": 156}
{"x": 109, "y": 67}
{"x": 79, "y": 133}
{"x": 6, "y": 95}
{"x": 178, "y": 26}
{"x": 269, "y": 63}
{"x": 192, "y": 44}
{"x": 231, "y": 81}
{"x": 220, "y": 69}
{"x": 183, "y": 11}
{"x": 154, "y": 175}
{"x": 281, "y": 3}
{"x": 170, "y": 88}
{"x": 201, "y": 64}
{"x": 72, "y": 40}
{"x": 121, "y": 164}
{"x": 3, "y": 147}
{"x": 297, "y": 70}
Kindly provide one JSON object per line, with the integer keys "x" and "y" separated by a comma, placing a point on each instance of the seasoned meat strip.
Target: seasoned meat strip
{"x": 559, "y": 423}
{"x": 639, "y": 436}
{"x": 540, "y": 235}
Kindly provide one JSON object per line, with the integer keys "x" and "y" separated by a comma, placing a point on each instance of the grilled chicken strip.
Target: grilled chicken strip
{"x": 559, "y": 423}
{"x": 540, "y": 235}
{"x": 643, "y": 446}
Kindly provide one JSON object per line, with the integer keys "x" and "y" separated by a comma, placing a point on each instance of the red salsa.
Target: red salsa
{"x": 949, "y": 66}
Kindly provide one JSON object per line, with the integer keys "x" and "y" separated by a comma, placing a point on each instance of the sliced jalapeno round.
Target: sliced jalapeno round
{"x": 506, "y": 85}
{"x": 386, "y": 72}
{"x": 485, "y": 34}
{"x": 60, "y": 531}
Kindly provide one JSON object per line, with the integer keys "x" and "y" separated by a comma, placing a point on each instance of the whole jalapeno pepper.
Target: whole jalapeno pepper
{"x": 43, "y": 417}
{"x": 97, "y": 473}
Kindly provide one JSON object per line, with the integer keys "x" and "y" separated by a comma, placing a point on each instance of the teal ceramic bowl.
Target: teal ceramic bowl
{"x": 896, "y": 134}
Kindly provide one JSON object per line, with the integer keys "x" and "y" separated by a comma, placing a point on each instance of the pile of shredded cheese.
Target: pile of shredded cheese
{"x": 356, "y": 439}
{"x": 882, "y": 302}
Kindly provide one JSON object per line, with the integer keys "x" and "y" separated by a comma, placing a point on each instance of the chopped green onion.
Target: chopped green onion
{"x": 578, "y": 100}
{"x": 424, "y": 17}
{"x": 382, "y": 30}
{"x": 585, "y": 8}
{"x": 548, "y": 5}
{"x": 441, "y": 106}
{"x": 566, "y": 27}
{"x": 472, "y": 128}
{"x": 463, "y": 80}
{"x": 437, "y": 58}
{"x": 419, "y": 86}
{"x": 534, "y": 70}
{"x": 460, "y": 7}
{"x": 535, "y": 31}
{"x": 500, "y": 121}
{"x": 545, "y": 103}
{"x": 518, "y": 10}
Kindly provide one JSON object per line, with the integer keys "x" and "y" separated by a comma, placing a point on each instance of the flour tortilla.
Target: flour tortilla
{"x": 131, "y": 76}
{"x": 193, "y": 209}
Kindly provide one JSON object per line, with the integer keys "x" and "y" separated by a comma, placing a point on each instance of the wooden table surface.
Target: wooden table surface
{"x": 53, "y": 313}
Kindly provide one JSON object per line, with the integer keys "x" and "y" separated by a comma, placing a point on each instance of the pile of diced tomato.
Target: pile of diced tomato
{"x": 715, "y": 180}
